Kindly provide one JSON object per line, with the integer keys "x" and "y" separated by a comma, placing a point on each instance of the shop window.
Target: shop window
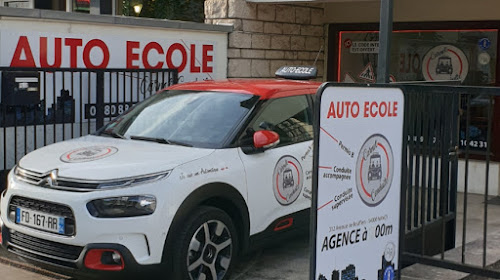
{"x": 22, "y": 104}
{"x": 464, "y": 53}
{"x": 25, "y": 4}
{"x": 83, "y": 6}
{"x": 465, "y": 56}
{"x": 58, "y": 5}
{"x": 106, "y": 7}
{"x": 187, "y": 10}
{"x": 477, "y": 107}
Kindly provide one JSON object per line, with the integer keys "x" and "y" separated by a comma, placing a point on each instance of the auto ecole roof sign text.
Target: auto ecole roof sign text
{"x": 358, "y": 175}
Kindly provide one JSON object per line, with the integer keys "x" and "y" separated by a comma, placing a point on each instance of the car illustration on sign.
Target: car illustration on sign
{"x": 180, "y": 184}
{"x": 288, "y": 179}
{"x": 444, "y": 65}
{"x": 374, "y": 169}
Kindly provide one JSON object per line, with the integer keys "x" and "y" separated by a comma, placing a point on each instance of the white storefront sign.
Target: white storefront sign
{"x": 197, "y": 55}
{"x": 358, "y": 191}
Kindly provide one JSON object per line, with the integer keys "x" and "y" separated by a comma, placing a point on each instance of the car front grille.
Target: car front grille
{"x": 45, "y": 207}
{"x": 43, "y": 250}
{"x": 60, "y": 183}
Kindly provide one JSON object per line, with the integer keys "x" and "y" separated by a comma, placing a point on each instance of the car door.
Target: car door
{"x": 279, "y": 179}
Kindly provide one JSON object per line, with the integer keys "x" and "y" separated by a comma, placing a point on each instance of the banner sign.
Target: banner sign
{"x": 197, "y": 55}
{"x": 358, "y": 182}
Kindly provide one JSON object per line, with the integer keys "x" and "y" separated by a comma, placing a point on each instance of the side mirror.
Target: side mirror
{"x": 265, "y": 139}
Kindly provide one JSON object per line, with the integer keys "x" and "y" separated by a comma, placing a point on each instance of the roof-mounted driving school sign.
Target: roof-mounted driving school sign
{"x": 357, "y": 183}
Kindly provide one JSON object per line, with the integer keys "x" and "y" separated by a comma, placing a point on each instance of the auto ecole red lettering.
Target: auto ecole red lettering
{"x": 23, "y": 55}
{"x": 373, "y": 109}
{"x": 174, "y": 56}
{"x": 136, "y": 56}
{"x": 343, "y": 109}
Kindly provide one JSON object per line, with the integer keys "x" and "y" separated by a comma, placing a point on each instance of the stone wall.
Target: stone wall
{"x": 268, "y": 36}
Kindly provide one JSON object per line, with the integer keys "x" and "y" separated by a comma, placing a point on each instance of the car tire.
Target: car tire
{"x": 206, "y": 247}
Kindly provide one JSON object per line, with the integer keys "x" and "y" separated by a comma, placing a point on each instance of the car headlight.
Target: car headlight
{"x": 127, "y": 182}
{"x": 122, "y": 206}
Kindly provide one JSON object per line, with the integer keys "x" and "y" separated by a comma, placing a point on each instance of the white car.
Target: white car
{"x": 182, "y": 182}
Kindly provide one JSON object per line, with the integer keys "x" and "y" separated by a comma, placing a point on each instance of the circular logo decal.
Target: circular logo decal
{"x": 88, "y": 154}
{"x": 374, "y": 170}
{"x": 483, "y": 58}
{"x": 287, "y": 179}
{"x": 445, "y": 62}
{"x": 390, "y": 251}
{"x": 484, "y": 43}
{"x": 389, "y": 273}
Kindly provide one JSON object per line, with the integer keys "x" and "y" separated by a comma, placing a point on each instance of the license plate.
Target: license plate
{"x": 40, "y": 220}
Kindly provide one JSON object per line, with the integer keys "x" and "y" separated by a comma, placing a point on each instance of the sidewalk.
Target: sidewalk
{"x": 14, "y": 270}
{"x": 8, "y": 272}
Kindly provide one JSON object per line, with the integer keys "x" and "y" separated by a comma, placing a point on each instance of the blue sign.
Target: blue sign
{"x": 389, "y": 273}
{"x": 484, "y": 43}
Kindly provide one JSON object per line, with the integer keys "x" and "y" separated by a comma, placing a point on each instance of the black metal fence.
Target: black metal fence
{"x": 449, "y": 129}
{"x": 43, "y": 106}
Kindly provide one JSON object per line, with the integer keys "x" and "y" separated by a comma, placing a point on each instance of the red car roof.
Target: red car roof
{"x": 266, "y": 89}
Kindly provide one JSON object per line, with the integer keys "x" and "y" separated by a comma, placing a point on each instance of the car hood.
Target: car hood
{"x": 105, "y": 158}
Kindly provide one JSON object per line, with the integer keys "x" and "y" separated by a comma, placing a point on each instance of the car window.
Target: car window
{"x": 290, "y": 117}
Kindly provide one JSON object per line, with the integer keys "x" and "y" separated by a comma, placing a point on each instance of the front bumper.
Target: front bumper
{"x": 43, "y": 253}
{"x": 139, "y": 240}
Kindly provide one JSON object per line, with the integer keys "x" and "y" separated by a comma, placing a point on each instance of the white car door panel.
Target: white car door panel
{"x": 279, "y": 179}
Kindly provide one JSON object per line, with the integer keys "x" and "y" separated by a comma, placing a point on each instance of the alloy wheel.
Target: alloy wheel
{"x": 210, "y": 251}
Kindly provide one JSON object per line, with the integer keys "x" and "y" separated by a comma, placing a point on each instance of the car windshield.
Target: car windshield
{"x": 198, "y": 119}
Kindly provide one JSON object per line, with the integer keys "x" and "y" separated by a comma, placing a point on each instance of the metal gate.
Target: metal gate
{"x": 445, "y": 126}
{"x": 41, "y": 106}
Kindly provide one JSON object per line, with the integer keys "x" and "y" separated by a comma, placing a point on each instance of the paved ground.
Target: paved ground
{"x": 8, "y": 272}
{"x": 15, "y": 270}
{"x": 290, "y": 259}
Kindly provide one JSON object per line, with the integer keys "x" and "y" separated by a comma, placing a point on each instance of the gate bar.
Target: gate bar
{"x": 446, "y": 264}
{"x": 411, "y": 133}
{"x": 466, "y": 179}
{"x": 424, "y": 153}
{"x": 488, "y": 151}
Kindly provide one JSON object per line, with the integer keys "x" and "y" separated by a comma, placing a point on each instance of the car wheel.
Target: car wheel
{"x": 207, "y": 246}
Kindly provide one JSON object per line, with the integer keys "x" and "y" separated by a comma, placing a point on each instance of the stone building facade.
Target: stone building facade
{"x": 268, "y": 36}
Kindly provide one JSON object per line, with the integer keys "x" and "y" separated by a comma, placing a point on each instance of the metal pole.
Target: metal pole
{"x": 385, "y": 36}
{"x": 69, "y": 6}
{"x": 100, "y": 100}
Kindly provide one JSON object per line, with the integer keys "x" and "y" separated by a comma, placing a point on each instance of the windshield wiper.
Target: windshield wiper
{"x": 112, "y": 134}
{"x": 179, "y": 143}
{"x": 152, "y": 139}
{"x": 159, "y": 140}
